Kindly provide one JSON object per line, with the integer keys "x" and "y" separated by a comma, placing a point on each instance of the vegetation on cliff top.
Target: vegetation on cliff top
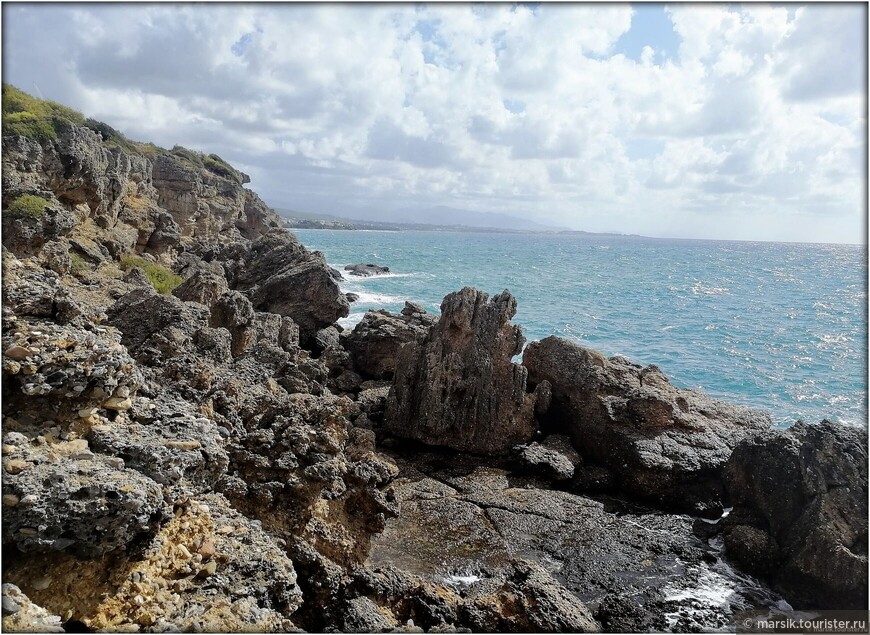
{"x": 161, "y": 278}
{"x": 43, "y": 120}
{"x": 35, "y": 118}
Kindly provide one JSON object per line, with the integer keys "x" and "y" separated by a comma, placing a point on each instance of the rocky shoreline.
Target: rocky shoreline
{"x": 191, "y": 442}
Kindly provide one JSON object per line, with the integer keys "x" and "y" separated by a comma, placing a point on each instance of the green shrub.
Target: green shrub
{"x": 78, "y": 264}
{"x": 220, "y": 167}
{"x": 161, "y": 278}
{"x": 27, "y": 206}
{"x": 35, "y": 118}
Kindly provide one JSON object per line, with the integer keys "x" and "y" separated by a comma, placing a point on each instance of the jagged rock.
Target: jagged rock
{"x": 167, "y": 440}
{"x": 138, "y": 278}
{"x": 800, "y": 512}
{"x": 234, "y": 312}
{"x": 553, "y": 458}
{"x": 662, "y": 444}
{"x": 366, "y": 270}
{"x": 374, "y": 343}
{"x": 204, "y": 285}
{"x": 20, "y": 615}
{"x": 166, "y": 234}
{"x": 458, "y": 387}
{"x": 157, "y": 328}
{"x": 280, "y": 276}
{"x": 66, "y": 368}
{"x": 55, "y": 256}
{"x": 325, "y": 338}
{"x": 208, "y": 569}
{"x": 526, "y": 600}
{"x": 26, "y": 235}
{"x": 86, "y": 506}
{"x": 352, "y": 297}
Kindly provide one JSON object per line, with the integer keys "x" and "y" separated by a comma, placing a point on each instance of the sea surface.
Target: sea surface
{"x": 779, "y": 326}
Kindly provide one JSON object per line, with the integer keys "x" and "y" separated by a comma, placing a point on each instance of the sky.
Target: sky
{"x": 708, "y": 121}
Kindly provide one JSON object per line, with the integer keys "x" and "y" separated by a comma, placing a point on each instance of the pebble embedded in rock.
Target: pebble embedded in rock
{"x": 10, "y": 606}
{"x": 18, "y": 353}
{"x": 116, "y": 403}
{"x": 208, "y": 570}
{"x": 183, "y": 445}
{"x": 41, "y": 584}
{"x": 16, "y": 466}
{"x": 10, "y": 500}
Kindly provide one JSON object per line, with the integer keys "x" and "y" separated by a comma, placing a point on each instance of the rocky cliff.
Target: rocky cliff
{"x": 191, "y": 441}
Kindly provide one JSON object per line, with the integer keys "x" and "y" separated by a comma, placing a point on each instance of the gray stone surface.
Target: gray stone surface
{"x": 662, "y": 444}
{"x": 458, "y": 387}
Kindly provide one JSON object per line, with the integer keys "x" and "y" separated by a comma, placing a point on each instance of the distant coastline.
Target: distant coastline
{"x": 306, "y": 220}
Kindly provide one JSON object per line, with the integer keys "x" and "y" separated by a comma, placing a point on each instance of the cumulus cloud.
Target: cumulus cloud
{"x": 754, "y": 128}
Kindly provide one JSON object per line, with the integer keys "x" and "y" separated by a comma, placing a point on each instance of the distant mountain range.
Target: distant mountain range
{"x": 411, "y": 218}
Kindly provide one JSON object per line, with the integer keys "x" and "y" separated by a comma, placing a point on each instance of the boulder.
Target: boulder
{"x": 664, "y": 445}
{"x": 205, "y": 285}
{"x": 553, "y": 458}
{"x": 800, "y": 513}
{"x": 374, "y": 343}
{"x": 458, "y": 387}
{"x": 366, "y": 270}
{"x": 280, "y": 276}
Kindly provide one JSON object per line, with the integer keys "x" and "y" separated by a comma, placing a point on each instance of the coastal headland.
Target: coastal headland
{"x": 192, "y": 443}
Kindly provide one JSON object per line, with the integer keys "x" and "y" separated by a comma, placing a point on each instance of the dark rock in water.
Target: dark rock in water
{"x": 366, "y": 270}
{"x": 458, "y": 387}
{"x": 800, "y": 513}
{"x": 468, "y": 526}
{"x": 374, "y": 343}
{"x": 538, "y": 604}
{"x": 412, "y": 308}
{"x": 352, "y": 297}
{"x": 663, "y": 444}
{"x": 281, "y": 276}
{"x": 553, "y": 458}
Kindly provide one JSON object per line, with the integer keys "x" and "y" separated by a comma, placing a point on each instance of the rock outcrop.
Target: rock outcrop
{"x": 800, "y": 513}
{"x": 375, "y": 342}
{"x": 458, "y": 388}
{"x": 280, "y": 276}
{"x": 366, "y": 270}
{"x": 662, "y": 444}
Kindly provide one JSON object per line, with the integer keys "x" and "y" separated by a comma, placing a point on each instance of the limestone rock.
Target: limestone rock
{"x": 662, "y": 444}
{"x": 553, "y": 458}
{"x": 281, "y": 276}
{"x": 374, "y": 343}
{"x": 800, "y": 512}
{"x": 458, "y": 387}
{"x": 88, "y": 507}
{"x": 366, "y": 270}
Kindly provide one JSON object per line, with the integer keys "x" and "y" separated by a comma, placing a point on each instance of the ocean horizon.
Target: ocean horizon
{"x": 771, "y": 325}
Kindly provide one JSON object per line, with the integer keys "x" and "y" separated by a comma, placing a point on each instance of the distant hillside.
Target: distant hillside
{"x": 423, "y": 218}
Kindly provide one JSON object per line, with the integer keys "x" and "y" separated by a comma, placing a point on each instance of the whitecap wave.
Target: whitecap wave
{"x": 351, "y": 320}
{"x": 366, "y": 297}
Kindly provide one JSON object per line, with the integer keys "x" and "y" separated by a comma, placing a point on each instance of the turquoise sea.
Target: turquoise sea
{"x": 779, "y": 326}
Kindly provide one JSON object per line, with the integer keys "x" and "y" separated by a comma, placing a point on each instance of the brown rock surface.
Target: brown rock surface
{"x": 458, "y": 387}
{"x": 662, "y": 444}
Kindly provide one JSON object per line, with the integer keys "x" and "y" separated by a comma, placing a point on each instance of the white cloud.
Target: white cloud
{"x": 760, "y": 116}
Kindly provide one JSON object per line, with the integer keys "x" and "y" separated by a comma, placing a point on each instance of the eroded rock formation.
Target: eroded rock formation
{"x": 660, "y": 443}
{"x": 458, "y": 388}
{"x": 800, "y": 512}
